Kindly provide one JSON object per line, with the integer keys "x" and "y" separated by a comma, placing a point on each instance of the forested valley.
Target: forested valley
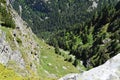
{"x": 88, "y": 29}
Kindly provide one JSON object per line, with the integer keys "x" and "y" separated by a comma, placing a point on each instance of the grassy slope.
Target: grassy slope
{"x": 52, "y": 63}
{"x": 9, "y": 74}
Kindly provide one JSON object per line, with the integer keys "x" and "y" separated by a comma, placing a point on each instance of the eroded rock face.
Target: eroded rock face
{"x": 17, "y": 57}
{"x": 18, "y": 47}
{"x": 108, "y": 71}
{"x": 5, "y": 50}
{"x": 7, "y": 54}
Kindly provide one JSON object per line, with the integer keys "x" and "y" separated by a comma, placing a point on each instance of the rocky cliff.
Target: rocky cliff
{"x": 108, "y": 71}
{"x": 18, "y": 49}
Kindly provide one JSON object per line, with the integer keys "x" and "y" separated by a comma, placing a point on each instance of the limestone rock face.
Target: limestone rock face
{"x": 5, "y": 50}
{"x": 7, "y": 54}
{"x": 108, "y": 71}
{"x": 18, "y": 48}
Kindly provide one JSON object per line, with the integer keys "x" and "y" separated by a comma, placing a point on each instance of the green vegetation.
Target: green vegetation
{"x": 73, "y": 25}
{"x": 19, "y": 41}
{"x": 47, "y": 17}
{"x": 5, "y": 16}
{"x": 3, "y": 1}
{"x": 94, "y": 41}
{"x": 52, "y": 64}
{"x": 9, "y": 74}
{"x": 69, "y": 28}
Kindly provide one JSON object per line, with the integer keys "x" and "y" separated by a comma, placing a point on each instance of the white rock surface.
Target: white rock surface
{"x": 108, "y": 71}
{"x": 5, "y": 50}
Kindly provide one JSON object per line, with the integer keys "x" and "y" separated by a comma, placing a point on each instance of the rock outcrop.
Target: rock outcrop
{"x": 18, "y": 47}
{"x": 5, "y": 50}
{"x": 108, "y": 71}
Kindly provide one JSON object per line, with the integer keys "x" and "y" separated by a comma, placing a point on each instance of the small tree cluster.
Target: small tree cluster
{"x": 6, "y": 17}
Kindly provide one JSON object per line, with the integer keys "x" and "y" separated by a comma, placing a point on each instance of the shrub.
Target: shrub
{"x": 57, "y": 51}
{"x": 6, "y": 18}
{"x": 75, "y": 62}
{"x": 18, "y": 40}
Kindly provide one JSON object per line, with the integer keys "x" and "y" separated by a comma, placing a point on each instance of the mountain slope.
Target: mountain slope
{"x": 26, "y": 56}
{"x": 52, "y": 65}
{"x": 23, "y": 54}
{"x": 19, "y": 50}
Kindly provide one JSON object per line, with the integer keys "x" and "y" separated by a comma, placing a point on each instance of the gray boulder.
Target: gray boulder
{"x": 108, "y": 71}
